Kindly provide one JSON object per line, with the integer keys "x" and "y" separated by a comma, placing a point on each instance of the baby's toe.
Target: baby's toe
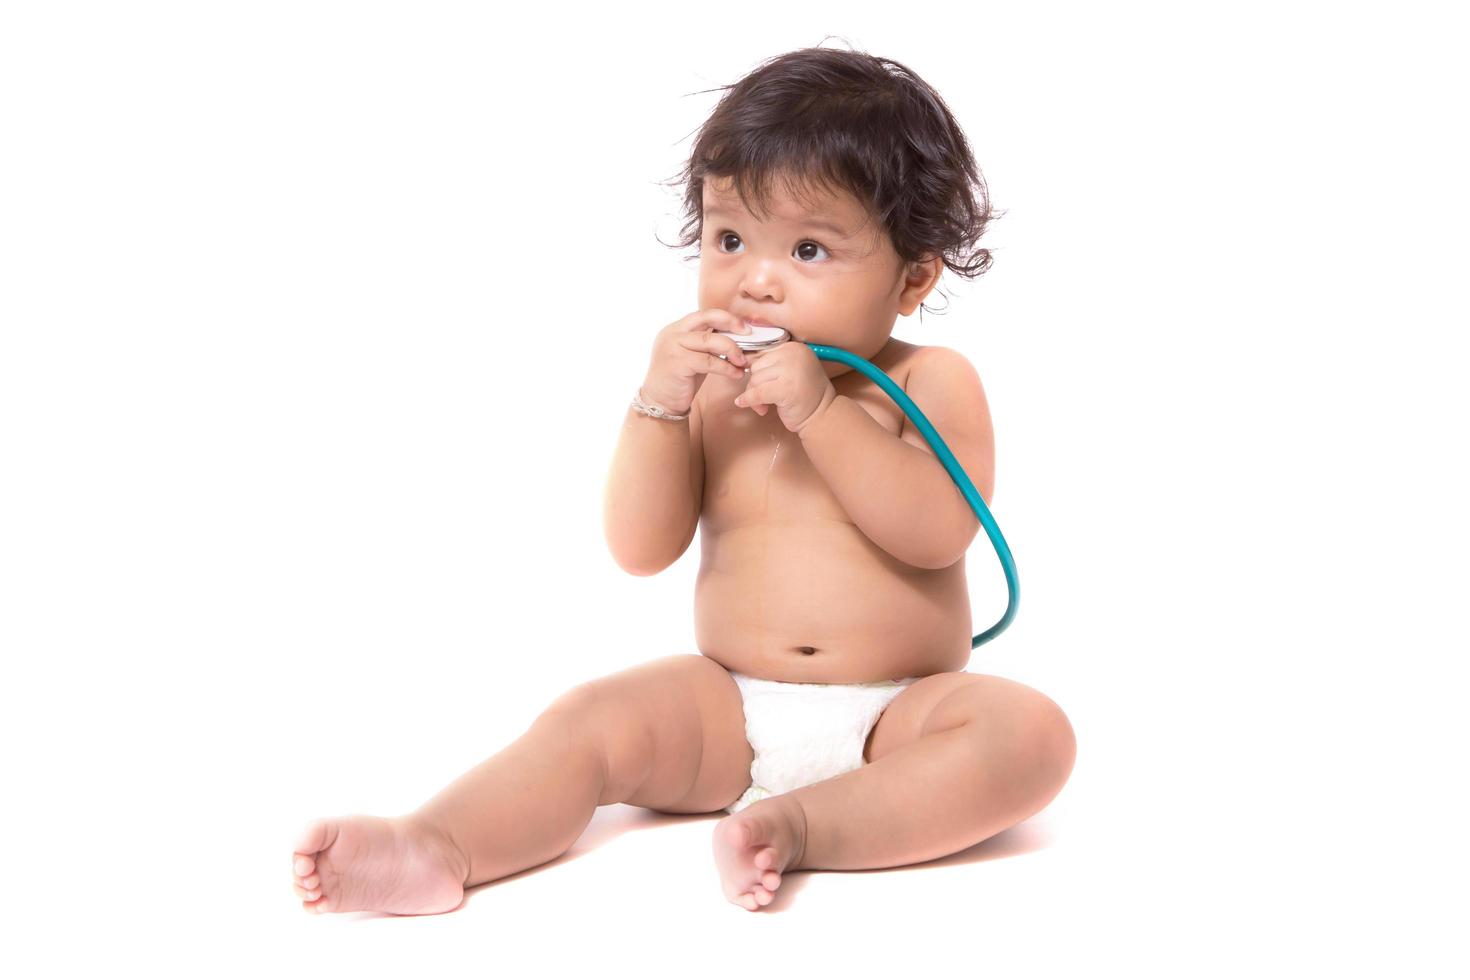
{"x": 771, "y": 880}
{"x": 309, "y": 894}
{"x": 762, "y": 897}
{"x": 315, "y": 838}
{"x": 302, "y": 865}
{"x": 311, "y": 881}
{"x": 765, "y": 858}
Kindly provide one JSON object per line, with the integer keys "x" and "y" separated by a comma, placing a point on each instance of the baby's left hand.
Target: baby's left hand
{"x": 790, "y": 377}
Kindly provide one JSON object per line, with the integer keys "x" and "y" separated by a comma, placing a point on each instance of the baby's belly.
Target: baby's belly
{"x": 818, "y": 602}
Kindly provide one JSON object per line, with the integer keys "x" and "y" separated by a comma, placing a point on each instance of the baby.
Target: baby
{"x": 828, "y": 710}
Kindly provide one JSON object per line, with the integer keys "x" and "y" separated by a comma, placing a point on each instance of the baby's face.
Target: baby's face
{"x": 822, "y": 269}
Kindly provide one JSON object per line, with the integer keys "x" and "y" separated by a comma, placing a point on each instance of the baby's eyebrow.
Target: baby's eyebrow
{"x": 812, "y": 222}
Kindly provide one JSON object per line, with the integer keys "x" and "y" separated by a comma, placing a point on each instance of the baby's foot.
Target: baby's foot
{"x": 754, "y": 846}
{"x": 394, "y": 865}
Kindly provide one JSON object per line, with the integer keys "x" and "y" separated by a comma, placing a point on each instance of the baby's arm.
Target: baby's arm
{"x": 897, "y": 491}
{"x": 654, "y": 490}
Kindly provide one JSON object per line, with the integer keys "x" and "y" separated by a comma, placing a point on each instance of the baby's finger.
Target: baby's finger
{"x": 750, "y": 397}
{"x": 730, "y": 348}
{"x": 715, "y": 354}
{"x": 717, "y": 362}
{"x": 712, "y": 319}
{"x": 758, "y": 395}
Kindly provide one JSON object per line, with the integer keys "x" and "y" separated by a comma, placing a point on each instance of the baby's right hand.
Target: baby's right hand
{"x": 687, "y": 350}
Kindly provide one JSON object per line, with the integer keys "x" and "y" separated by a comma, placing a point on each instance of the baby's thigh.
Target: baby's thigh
{"x": 672, "y": 731}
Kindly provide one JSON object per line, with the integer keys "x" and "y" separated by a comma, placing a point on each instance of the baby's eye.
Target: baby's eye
{"x": 723, "y": 238}
{"x": 812, "y": 244}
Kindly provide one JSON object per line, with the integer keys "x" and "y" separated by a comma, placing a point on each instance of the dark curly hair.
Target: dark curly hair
{"x": 822, "y": 117}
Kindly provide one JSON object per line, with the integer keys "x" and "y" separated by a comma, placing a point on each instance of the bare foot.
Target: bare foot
{"x": 397, "y": 865}
{"x": 754, "y": 846}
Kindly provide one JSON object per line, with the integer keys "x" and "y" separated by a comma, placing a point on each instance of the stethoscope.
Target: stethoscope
{"x": 764, "y": 338}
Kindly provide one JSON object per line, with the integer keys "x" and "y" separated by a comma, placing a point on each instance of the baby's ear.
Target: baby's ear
{"x": 920, "y": 278}
{"x": 920, "y": 268}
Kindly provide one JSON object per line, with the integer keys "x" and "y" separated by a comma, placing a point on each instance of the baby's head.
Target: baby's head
{"x": 827, "y": 192}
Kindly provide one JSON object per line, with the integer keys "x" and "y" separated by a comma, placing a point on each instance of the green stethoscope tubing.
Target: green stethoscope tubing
{"x": 972, "y": 496}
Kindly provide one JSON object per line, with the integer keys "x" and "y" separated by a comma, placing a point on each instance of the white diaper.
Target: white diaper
{"x": 805, "y": 733}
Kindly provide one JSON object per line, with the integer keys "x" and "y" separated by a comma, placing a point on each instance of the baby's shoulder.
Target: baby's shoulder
{"x": 944, "y": 378}
{"x": 933, "y": 359}
{"x": 899, "y": 357}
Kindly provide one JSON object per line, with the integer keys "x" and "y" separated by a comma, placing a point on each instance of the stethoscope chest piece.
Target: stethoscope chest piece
{"x": 759, "y": 338}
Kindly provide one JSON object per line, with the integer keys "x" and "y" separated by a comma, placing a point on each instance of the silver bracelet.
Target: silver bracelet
{"x": 638, "y": 404}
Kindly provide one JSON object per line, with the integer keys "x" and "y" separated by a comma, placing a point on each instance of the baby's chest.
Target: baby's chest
{"x": 758, "y": 471}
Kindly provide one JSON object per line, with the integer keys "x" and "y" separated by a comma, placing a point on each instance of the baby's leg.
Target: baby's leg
{"x": 669, "y": 735}
{"x": 523, "y": 806}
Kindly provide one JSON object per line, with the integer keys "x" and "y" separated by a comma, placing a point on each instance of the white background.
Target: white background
{"x": 320, "y": 321}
